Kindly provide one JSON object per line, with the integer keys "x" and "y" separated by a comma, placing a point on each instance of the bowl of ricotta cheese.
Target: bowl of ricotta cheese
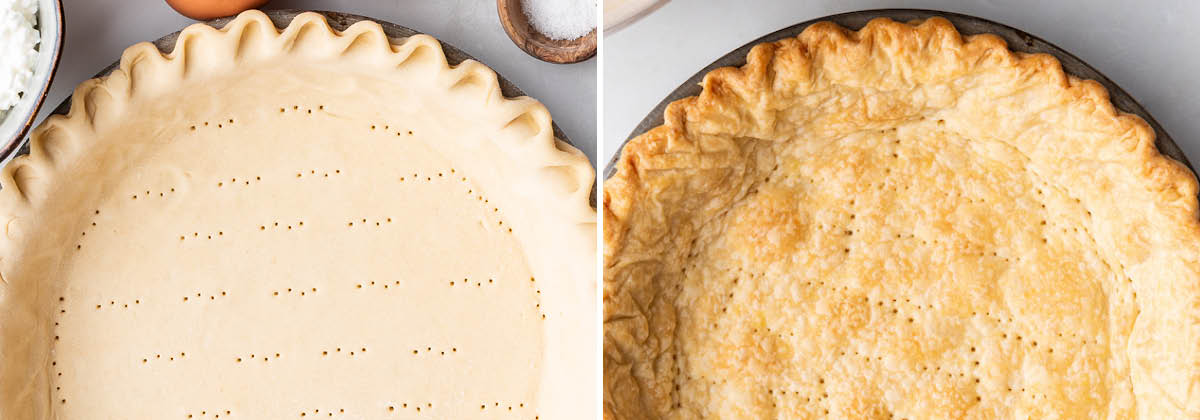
{"x": 31, "y": 38}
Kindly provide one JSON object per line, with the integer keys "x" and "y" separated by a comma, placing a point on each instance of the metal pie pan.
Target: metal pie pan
{"x": 1017, "y": 39}
{"x": 338, "y": 21}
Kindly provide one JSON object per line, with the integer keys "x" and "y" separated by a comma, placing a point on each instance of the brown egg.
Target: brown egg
{"x": 211, "y": 9}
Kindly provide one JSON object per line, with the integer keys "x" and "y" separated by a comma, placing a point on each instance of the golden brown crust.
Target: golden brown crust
{"x": 676, "y": 185}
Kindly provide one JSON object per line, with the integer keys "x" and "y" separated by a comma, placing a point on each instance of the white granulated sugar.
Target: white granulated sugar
{"x": 561, "y": 19}
{"x": 18, "y": 38}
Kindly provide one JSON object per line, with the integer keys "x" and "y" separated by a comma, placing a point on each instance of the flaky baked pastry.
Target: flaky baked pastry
{"x": 297, "y": 224}
{"x": 900, "y": 222}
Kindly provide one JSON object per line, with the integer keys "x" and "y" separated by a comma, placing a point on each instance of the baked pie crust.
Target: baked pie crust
{"x": 900, "y": 222}
{"x": 297, "y": 224}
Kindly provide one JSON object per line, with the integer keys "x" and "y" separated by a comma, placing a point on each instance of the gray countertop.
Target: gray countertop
{"x": 99, "y": 30}
{"x": 1149, "y": 48}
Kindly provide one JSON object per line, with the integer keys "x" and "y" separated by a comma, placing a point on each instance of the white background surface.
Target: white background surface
{"x": 1149, "y": 48}
{"x": 99, "y": 30}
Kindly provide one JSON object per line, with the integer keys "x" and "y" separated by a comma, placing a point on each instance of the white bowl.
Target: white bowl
{"x": 17, "y": 121}
{"x": 620, "y": 13}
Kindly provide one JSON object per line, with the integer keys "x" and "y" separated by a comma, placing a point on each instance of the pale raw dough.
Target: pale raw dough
{"x": 900, "y": 223}
{"x": 297, "y": 225}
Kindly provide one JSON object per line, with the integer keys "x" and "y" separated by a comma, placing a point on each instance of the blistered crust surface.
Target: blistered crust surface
{"x": 899, "y": 222}
{"x": 297, "y": 223}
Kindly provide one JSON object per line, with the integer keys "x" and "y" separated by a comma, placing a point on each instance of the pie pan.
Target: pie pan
{"x": 1017, "y": 39}
{"x": 323, "y": 171}
{"x": 853, "y": 214}
{"x": 339, "y": 21}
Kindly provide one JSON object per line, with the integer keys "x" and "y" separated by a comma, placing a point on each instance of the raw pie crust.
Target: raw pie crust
{"x": 306, "y": 224}
{"x": 900, "y": 222}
